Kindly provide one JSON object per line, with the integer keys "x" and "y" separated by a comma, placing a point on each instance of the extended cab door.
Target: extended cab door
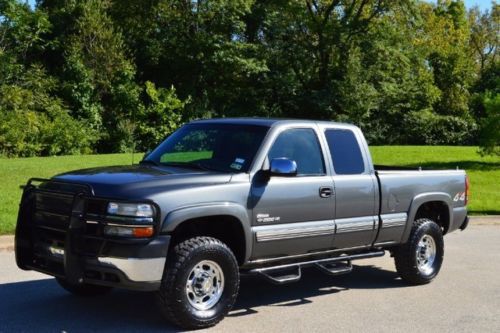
{"x": 294, "y": 214}
{"x": 356, "y": 191}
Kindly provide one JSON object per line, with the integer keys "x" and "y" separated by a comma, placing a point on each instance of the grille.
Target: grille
{"x": 50, "y": 216}
{"x": 52, "y": 210}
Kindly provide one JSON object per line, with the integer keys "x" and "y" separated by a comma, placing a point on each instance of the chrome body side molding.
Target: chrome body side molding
{"x": 293, "y": 230}
{"x": 352, "y": 224}
{"x": 314, "y": 228}
{"x": 394, "y": 220}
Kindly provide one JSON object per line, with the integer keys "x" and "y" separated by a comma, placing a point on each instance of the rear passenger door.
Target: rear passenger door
{"x": 356, "y": 197}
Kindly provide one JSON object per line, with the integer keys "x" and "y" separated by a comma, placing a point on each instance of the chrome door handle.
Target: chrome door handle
{"x": 325, "y": 191}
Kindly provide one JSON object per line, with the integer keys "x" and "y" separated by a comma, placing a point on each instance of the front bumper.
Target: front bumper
{"x": 137, "y": 267}
{"x": 56, "y": 239}
{"x": 128, "y": 272}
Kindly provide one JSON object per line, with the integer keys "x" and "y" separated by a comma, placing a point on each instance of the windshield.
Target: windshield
{"x": 219, "y": 147}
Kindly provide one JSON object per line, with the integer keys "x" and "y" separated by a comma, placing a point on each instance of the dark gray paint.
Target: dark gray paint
{"x": 267, "y": 199}
{"x": 352, "y": 210}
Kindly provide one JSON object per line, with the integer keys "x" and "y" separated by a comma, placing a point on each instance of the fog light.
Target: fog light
{"x": 118, "y": 231}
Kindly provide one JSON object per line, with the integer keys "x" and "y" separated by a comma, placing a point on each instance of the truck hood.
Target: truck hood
{"x": 141, "y": 181}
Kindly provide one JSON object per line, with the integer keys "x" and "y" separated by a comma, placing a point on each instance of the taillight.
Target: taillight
{"x": 467, "y": 189}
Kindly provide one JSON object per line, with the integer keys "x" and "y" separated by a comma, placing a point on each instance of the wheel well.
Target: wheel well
{"x": 436, "y": 211}
{"x": 225, "y": 228}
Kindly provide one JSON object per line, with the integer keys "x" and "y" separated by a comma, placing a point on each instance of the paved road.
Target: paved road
{"x": 464, "y": 298}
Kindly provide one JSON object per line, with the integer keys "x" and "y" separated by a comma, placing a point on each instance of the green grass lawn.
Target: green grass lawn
{"x": 484, "y": 173}
{"x": 16, "y": 171}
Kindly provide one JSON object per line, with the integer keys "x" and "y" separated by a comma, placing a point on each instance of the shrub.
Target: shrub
{"x": 160, "y": 117}
{"x": 34, "y": 123}
{"x": 489, "y": 138}
{"x": 428, "y": 128}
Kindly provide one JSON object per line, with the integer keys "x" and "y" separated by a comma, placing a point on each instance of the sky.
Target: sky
{"x": 483, "y": 4}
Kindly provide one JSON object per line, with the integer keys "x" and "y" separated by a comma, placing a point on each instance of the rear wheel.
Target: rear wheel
{"x": 200, "y": 283}
{"x": 420, "y": 259}
{"x": 83, "y": 289}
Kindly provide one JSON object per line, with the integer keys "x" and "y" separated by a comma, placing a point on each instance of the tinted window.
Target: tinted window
{"x": 346, "y": 155}
{"x": 302, "y": 146}
{"x": 220, "y": 147}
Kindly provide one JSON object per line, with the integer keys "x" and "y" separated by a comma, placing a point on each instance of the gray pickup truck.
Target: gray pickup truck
{"x": 225, "y": 197}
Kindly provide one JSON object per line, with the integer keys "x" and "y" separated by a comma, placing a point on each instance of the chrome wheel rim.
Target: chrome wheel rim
{"x": 205, "y": 284}
{"x": 426, "y": 254}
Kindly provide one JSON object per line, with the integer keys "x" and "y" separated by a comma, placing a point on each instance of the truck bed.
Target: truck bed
{"x": 400, "y": 189}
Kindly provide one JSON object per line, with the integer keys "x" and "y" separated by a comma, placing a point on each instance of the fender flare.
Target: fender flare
{"x": 180, "y": 215}
{"x": 421, "y": 199}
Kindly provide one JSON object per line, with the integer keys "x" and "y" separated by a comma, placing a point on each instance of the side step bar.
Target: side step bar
{"x": 292, "y": 272}
{"x": 282, "y": 277}
{"x": 335, "y": 268}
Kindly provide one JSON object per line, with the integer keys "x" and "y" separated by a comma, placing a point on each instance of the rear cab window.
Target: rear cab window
{"x": 345, "y": 151}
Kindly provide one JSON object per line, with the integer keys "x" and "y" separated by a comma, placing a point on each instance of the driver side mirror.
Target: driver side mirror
{"x": 283, "y": 167}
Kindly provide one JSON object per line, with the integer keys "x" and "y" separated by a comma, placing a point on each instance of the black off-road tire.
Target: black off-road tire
{"x": 405, "y": 256}
{"x": 83, "y": 289}
{"x": 172, "y": 296}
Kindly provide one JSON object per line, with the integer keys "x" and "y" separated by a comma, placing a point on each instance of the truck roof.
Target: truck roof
{"x": 268, "y": 122}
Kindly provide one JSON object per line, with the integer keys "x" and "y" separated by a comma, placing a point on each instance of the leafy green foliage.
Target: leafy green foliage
{"x": 33, "y": 121}
{"x": 161, "y": 116}
{"x": 47, "y": 128}
{"x": 127, "y": 73}
{"x": 428, "y": 128}
{"x": 490, "y": 125}
{"x": 98, "y": 78}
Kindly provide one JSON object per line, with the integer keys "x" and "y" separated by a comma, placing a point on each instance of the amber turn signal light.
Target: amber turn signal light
{"x": 143, "y": 232}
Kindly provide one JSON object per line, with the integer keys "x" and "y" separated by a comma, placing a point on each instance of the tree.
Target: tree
{"x": 130, "y": 71}
{"x": 485, "y": 92}
{"x": 444, "y": 39}
{"x": 490, "y": 126}
{"x": 484, "y": 40}
{"x": 32, "y": 120}
{"x": 161, "y": 116}
{"x": 98, "y": 77}
{"x": 196, "y": 46}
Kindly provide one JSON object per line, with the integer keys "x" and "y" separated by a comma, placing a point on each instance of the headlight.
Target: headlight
{"x": 130, "y": 209}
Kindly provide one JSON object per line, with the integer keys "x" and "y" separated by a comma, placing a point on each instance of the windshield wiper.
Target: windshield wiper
{"x": 191, "y": 165}
{"x": 149, "y": 162}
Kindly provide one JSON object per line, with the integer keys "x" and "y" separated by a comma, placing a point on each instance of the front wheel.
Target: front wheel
{"x": 420, "y": 259}
{"x": 200, "y": 283}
